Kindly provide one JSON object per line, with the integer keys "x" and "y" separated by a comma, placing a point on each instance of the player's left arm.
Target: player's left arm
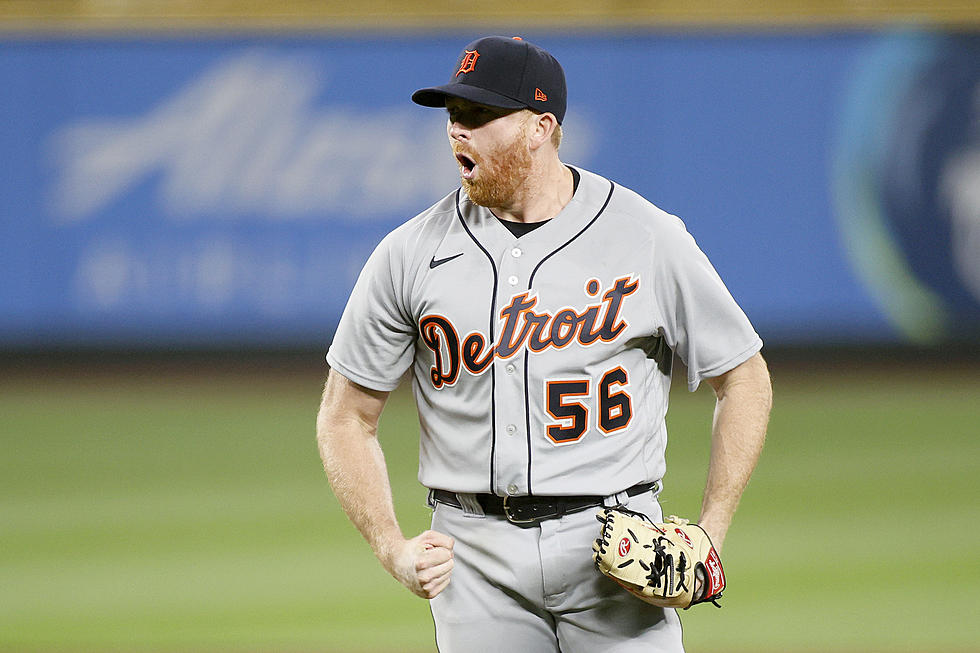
{"x": 743, "y": 401}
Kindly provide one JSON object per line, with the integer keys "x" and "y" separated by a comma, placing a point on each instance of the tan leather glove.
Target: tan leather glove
{"x": 661, "y": 564}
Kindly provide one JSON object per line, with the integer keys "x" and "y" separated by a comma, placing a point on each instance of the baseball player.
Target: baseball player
{"x": 538, "y": 307}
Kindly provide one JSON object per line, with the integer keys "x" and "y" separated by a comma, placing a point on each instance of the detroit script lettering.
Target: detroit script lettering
{"x": 524, "y": 328}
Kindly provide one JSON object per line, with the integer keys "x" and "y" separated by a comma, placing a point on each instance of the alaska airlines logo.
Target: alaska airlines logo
{"x": 524, "y": 328}
{"x": 249, "y": 138}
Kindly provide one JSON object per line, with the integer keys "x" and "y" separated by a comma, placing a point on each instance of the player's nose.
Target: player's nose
{"x": 457, "y": 131}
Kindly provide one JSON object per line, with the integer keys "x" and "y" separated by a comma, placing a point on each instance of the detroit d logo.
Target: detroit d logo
{"x": 468, "y": 63}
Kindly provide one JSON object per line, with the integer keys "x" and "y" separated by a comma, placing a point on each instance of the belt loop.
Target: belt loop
{"x": 618, "y": 499}
{"x": 430, "y": 499}
{"x": 623, "y": 498}
{"x": 470, "y": 505}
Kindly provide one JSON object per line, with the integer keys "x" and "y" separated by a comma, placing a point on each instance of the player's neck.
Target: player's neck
{"x": 543, "y": 195}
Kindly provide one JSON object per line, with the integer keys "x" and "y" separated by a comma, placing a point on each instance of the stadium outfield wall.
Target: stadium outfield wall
{"x": 220, "y": 189}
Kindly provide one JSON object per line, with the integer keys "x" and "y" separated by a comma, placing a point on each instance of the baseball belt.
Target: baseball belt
{"x": 532, "y": 509}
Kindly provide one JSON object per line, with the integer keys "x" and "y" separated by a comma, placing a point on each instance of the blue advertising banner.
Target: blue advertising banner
{"x": 226, "y": 190}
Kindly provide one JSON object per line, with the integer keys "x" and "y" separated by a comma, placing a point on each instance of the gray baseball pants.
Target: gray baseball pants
{"x": 530, "y": 589}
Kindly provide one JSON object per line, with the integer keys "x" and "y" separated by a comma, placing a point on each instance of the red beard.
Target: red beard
{"x": 499, "y": 174}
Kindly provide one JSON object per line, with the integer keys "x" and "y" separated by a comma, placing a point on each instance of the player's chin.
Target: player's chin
{"x": 473, "y": 189}
{"x": 477, "y": 195}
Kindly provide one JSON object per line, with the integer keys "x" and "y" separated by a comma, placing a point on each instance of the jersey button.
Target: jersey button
{"x": 510, "y": 368}
{"x": 516, "y": 252}
{"x": 511, "y": 429}
{"x": 511, "y": 489}
{"x": 512, "y": 280}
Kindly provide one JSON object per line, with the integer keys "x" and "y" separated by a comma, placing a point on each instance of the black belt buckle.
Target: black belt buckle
{"x": 529, "y": 512}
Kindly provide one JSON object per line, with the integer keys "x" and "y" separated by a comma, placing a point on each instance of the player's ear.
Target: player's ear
{"x": 542, "y": 127}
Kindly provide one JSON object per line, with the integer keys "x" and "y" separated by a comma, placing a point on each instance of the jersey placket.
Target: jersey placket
{"x": 512, "y": 448}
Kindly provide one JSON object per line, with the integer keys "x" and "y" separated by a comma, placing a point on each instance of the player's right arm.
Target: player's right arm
{"x": 347, "y": 426}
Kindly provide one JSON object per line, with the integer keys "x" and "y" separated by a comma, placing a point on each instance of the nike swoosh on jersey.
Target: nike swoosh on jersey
{"x": 434, "y": 263}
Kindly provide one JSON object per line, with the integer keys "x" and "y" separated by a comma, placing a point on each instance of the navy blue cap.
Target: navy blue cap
{"x": 504, "y": 72}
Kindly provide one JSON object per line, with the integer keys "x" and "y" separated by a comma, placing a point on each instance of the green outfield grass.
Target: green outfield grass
{"x": 189, "y": 512}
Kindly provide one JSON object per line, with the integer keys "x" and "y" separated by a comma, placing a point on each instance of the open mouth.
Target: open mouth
{"x": 466, "y": 164}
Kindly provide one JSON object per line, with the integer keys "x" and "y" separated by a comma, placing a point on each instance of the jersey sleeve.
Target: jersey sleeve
{"x": 374, "y": 342}
{"x": 702, "y": 321}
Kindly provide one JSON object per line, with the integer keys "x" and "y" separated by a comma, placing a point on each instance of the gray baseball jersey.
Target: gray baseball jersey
{"x": 541, "y": 364}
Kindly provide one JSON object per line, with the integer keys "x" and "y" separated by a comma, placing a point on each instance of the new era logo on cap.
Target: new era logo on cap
{"x": 509, "y": 73}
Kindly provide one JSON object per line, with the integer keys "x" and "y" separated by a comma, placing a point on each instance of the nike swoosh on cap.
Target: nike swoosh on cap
{"x": 434, "y": 263}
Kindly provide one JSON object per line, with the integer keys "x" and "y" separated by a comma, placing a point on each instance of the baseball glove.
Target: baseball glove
{"x": 672, "y": 564}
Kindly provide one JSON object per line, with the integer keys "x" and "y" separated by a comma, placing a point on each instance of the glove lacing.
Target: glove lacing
{"x": 604, "y": 534}
{"x": 607, "y": 525}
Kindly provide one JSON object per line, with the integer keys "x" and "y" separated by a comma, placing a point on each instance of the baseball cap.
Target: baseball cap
{"x": 509, "y": 73}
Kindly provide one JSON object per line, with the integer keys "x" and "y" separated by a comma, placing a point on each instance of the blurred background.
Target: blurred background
{"x": 188, "y": 191}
